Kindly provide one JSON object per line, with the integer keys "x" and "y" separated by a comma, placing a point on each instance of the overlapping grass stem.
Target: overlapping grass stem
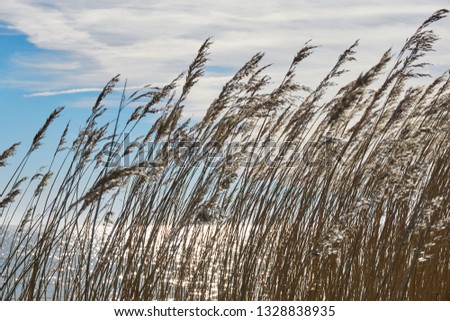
{"x": 343, "y": 197}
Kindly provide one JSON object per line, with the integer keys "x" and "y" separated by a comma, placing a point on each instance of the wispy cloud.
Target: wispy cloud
{"x": 74, "y": 91}
{"x": 64, "y": 92}
{"x": 153, "y": 42}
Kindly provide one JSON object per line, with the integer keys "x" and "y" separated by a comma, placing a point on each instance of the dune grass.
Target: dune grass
{"x": 342, "y": 197}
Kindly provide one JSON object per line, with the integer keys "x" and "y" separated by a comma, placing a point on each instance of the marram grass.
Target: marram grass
{"x": 337, "y": 198}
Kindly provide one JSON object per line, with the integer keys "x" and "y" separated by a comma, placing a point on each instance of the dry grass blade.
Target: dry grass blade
{"x": 40, "y": 134}
{"x": 7, "y": 154}
{"x": 277, "y": 193}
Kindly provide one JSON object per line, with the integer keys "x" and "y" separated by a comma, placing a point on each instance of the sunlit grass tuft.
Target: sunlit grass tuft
{"x": 341, "y": 198}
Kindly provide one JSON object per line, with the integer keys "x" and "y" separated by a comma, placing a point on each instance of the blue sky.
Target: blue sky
{"x": 58, "y": 52}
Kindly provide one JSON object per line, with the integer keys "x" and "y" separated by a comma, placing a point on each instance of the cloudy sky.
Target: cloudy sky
{"x": 59, "y": 52}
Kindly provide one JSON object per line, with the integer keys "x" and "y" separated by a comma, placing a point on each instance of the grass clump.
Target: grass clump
{"x": 276, "y": 194}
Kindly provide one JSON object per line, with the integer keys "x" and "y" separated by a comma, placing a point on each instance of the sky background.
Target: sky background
{"x": 55, "y": 52}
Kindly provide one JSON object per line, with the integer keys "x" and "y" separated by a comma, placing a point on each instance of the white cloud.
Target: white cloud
{"x": 64, "y": 92}
{"x": 76, "y": 91}
{"x": 154, "y": 42}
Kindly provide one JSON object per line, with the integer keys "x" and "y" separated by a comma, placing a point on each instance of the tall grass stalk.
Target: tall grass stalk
{"x": 342, "y": 197}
